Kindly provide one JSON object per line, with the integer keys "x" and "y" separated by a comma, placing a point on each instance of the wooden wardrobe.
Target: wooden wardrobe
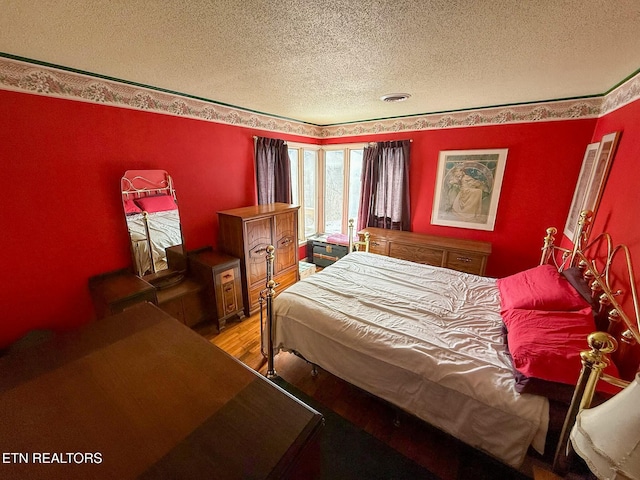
{"x": 246, "y": 232}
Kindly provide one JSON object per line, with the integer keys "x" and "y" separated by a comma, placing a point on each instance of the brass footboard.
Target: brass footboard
{"x": 266, "y": 324}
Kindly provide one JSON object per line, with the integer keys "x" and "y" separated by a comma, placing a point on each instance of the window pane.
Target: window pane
{"x": 333, "y": 191}
{"x": 309, "y": 202}
{"x": 293, "y": 159}
{"x": 355, "y": 183}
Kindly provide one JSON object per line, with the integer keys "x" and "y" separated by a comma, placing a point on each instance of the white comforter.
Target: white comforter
{"x": 426, "y": 339}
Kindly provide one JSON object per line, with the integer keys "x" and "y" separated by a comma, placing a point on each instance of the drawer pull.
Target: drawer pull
{"x": 258, "y": 251}
{"x": 464, "y": 259}
{"x": 374, "y": 244}
{"x": 227, "y": 276}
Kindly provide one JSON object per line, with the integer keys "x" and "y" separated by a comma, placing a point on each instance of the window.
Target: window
{"x": 333, "y": 190}
{"x": 326, "y": 184}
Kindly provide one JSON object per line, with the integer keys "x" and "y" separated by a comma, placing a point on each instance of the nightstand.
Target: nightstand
{"x": 220, "y": 273}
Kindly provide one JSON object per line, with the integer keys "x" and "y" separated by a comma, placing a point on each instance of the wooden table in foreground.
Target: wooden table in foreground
{"x": 138, "y": 395}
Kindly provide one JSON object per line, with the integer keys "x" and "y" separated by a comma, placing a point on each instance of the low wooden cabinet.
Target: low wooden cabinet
{"x": 246, "y": 232}
{"x": 114, "y": 292}
{"x": 185, "y": 301}
{"x": 458, "y": 254}
{"x": 220, "y": 275}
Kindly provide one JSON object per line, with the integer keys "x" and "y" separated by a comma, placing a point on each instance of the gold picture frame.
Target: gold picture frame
{"x": 468, "y": 188}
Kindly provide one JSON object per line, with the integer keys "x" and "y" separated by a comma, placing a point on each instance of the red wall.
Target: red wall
{"x": 542, "y": 167}
{"x": 619, "y": 211}
{"x": 61, "y": 217}
{"x": 62, "y": 220}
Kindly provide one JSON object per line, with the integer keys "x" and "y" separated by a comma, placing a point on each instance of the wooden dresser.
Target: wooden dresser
{"x": 137, "y": 395}
{"x": 464, "y": 255}
{"x": 246, "y": 232}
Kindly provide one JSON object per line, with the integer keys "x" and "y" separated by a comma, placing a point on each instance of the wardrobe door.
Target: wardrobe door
{"x": 257, "y": 238}
{"x": 285, "y": 241}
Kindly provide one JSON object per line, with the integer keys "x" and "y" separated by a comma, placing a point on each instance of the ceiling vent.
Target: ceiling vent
{"x": 395, "y": 97}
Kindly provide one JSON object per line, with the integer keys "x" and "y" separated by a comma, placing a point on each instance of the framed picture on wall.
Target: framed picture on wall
{"x": 601, "y": 169}
{"x": 468, "y": 187}
{"x": 595, "y": 168}
{"x": 579, "y": 194}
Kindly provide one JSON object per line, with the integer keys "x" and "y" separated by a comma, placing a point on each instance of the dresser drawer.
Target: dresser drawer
{"x": 417, "y": 253}
{"x": 286, "y": 279}
{"x": 283, "y": 280}
{"x": 465, "y": 262}
{"x": 458, "y": 254}
{"x": 377, "y": 245}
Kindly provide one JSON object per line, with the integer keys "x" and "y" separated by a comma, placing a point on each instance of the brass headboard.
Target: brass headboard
{"x": 600, "y": 262}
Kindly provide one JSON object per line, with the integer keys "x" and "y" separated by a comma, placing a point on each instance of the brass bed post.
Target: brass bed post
{"x": 145, "y": 219}
{"x": 593, "y": 363}
{"x": 355, "y": 244}
{"x": 269, "y": 294}
{"x": 582, "y": 235}
{"x": 549, "y": 243}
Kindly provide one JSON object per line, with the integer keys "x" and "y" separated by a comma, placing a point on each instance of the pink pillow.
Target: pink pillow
{"x": 159, "y": 203}
{"x": 130, "y": 207}
{"x": 547, "y": 345}
{"x": 539, "y": 288}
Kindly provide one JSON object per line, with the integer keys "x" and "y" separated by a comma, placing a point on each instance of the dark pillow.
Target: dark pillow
{"x": 577, "y": 281}
{"x": 539, "y": 288}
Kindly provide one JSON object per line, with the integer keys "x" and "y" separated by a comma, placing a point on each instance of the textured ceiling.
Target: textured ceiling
{"x": 329, "y": 61}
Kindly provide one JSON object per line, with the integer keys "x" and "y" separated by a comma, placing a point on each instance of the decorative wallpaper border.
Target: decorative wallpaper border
{"x": 37, "y": 79}
{"x": 32, "y": 78}
{"x": 540, "y": 112}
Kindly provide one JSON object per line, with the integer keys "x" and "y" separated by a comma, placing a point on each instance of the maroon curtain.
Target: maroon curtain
{"x": 369, "y": 182}
{"x": 273, "y": 171}
{"x": 384, "y": 201}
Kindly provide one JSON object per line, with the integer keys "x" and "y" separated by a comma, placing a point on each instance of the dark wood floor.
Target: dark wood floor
{"x": 438, "y": 452}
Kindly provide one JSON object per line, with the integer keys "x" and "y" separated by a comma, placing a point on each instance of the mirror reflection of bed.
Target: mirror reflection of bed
{"x": 153, "y": 221}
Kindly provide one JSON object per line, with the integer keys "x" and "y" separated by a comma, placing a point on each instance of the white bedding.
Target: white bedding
{"x": 164, "y": 228}
{"x": 426, "y": 339}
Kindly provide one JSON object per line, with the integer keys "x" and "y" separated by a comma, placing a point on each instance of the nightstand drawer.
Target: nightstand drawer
{"x": 227, "y": 276}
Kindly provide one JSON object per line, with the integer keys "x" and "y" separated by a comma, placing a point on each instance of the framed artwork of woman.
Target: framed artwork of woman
{"x": 468, "y": 187}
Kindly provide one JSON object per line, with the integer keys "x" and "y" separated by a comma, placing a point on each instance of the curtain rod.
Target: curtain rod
{"x": 255, "y": 137}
